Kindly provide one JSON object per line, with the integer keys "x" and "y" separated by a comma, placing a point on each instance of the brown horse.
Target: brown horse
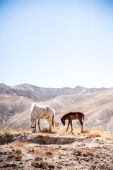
{"x": 73, "y": 116}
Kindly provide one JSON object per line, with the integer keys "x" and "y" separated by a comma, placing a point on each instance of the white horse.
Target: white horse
{"x": 41, "y": 112}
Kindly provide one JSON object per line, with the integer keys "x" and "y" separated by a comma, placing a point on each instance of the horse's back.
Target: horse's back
{"x": 74, "y": 115}
{"x": 41, "y": 111}
{"x": 78, "y": 115}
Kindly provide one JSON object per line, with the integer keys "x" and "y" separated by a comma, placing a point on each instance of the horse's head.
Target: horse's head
{"x": 63, "y": 121}
{"x": 33, "y": 125}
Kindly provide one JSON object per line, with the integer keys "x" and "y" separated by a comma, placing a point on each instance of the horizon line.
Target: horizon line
{"x": 56, "y": 87}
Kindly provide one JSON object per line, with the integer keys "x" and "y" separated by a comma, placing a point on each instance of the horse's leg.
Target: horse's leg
{"x": 33, "y": 125}
{"x": 53, "y": 123}
{"x": 71, "y": 126}
{"x": 81, "y": 126}
{"x": 50, "y": 124}
{"x": 68, "y": 125}
{"x": 39, "y": 124}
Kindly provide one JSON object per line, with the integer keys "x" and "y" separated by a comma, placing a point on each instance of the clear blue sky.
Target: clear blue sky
{"x": 56, "y": 43}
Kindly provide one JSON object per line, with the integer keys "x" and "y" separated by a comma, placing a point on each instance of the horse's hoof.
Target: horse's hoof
{"x": 72, "y": 133}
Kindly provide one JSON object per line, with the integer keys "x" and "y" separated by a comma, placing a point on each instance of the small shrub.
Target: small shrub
{"x": 43, "y": 165}
{"x": 77, "y": 152}
{"x": 89, "y": 152}
{"x": 31, "y": 150}
{"x": 38, "y": 158}
{"x": 16, "y": 155}
{"x": 48, "y": 153}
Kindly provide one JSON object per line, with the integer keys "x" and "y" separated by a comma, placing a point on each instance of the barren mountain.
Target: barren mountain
{"x": 43, "y": 94}
{"x": 97, "y": 107}
{"x": 17, "y": 99}
{"x": 11, "y": 105}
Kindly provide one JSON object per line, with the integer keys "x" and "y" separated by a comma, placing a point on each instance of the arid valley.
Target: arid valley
{"x": 20, "y": 149}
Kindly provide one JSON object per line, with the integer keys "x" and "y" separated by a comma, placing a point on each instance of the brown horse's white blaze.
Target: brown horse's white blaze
{"x": 73, "y": 116}
{"x": 38, "y": 112}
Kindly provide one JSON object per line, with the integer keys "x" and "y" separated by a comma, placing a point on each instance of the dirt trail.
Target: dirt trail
{"x": 27, "y": 151}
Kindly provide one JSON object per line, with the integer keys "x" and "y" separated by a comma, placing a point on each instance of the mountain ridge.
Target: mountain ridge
{"x": 41, "y": 93}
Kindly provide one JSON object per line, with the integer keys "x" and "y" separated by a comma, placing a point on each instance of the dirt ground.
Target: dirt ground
{"x": 54, "y": 151}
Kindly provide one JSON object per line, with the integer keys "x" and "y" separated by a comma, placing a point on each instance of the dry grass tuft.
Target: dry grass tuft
{"x": 99, "y": 133}
{"x": 19, "y": 143}
{"x": 45, "y": 151}
{"x": 91, "y": 132}
{"x": 48, "y": 153}
{"x": 84, "y": 152}
{"x": 89, "y": 152}
{"x": 37, "y": 158}
{"x": 77, "y": 152}
{"x": 14, "y": 131}
{"x": 108, "y": 136}
{"x": 43, "y": 165}
{"x": 62, "y": 131}
{"x": 86, "y": 130}
{"x": 94, "y": 134}
{"x": 18, "y": 155}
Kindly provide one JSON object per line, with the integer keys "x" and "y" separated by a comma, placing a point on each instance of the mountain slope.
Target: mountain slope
{"x": 11, "y": 105}
{"x": 98, "y": 109}
{"x": 43, "y": 94}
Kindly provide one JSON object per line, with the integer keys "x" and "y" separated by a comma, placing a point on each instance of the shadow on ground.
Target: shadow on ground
{"x": 39, "y": 139}
{"x": 45, "y": 140}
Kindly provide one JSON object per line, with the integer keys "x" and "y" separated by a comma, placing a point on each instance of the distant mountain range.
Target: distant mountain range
{"x": 42, "y": 94}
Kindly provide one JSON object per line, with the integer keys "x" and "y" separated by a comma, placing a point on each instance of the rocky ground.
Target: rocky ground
{"x": 55, "y": 151}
